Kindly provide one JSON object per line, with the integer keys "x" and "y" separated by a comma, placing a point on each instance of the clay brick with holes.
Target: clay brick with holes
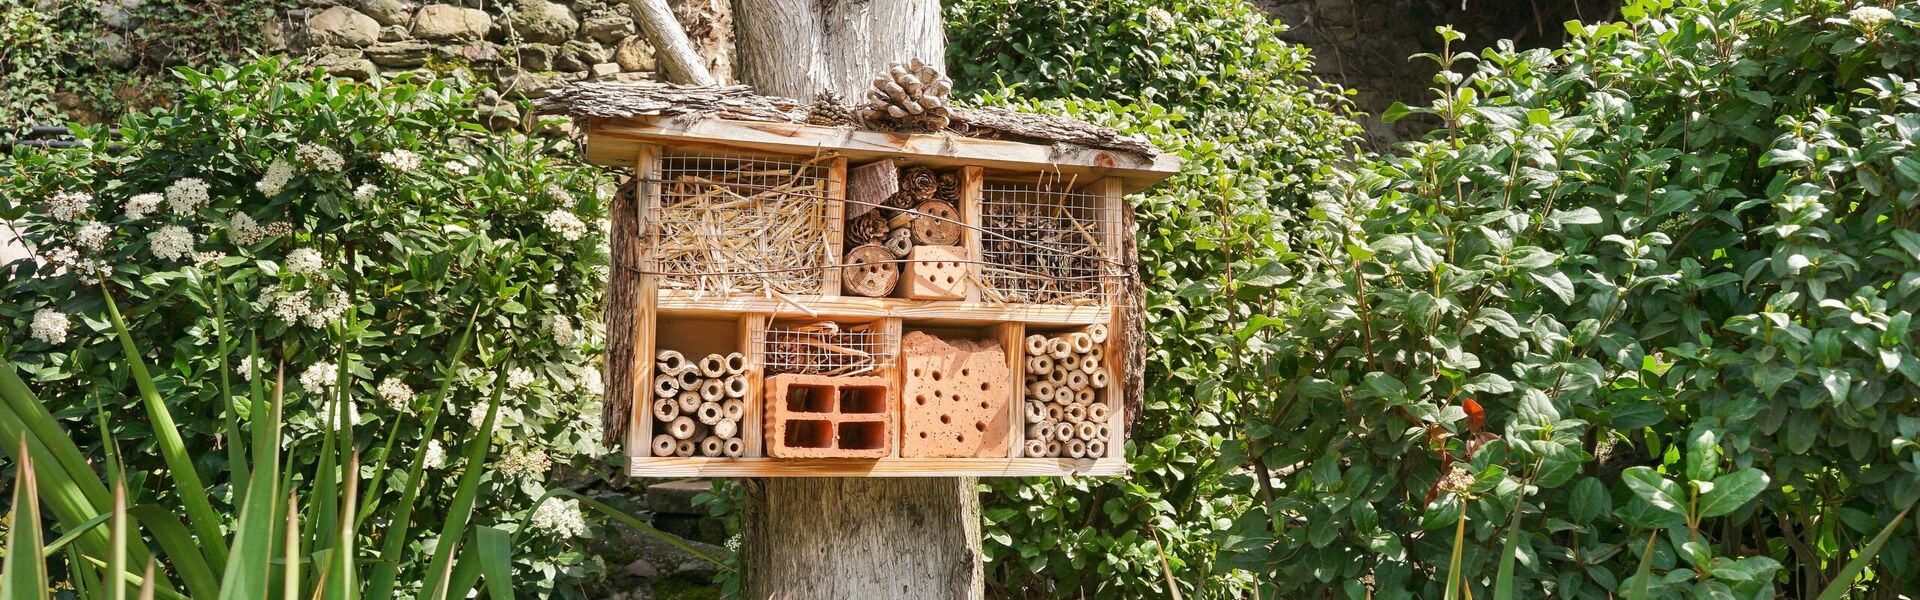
{"x": 936, "y": 273}
{"x": 816, "y": 416}
{"x": 955, "y": 398}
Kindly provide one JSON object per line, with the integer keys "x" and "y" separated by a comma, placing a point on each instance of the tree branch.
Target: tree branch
{"x": 670, "y": 44}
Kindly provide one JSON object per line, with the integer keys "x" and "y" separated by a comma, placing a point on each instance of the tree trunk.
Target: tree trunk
{"x": 842, "y": 539}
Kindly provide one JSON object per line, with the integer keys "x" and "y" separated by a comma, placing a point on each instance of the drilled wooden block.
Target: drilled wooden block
{"x": 955, "y": 398}
{"x": 936, "y": 273}
{"x": 815, "y": 416}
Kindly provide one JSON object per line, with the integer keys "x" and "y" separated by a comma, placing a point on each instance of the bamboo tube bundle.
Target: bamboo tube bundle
{"x": 1065, "y": 413}
{"x": 737, "y": 226}
{"x": 825, "y": 348}
{"x": 693, "y": 403}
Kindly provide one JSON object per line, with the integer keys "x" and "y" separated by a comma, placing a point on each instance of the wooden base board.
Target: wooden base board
{"x": 686, "y": 303}
{"x": 882, "y": 467}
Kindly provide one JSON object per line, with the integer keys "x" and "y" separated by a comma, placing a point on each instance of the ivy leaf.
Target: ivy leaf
{"x": 1731, "y": 491}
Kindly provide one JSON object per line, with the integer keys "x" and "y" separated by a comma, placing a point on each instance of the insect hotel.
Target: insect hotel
{"x": 800, "y": 290}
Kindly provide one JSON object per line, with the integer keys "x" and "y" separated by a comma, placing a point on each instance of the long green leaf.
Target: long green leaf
{"x": 1453, "y": 565}
{"x": 250, "y": 572}
{"x": 1843, "y": 581}
{"x": 141, "y": 580}
{"x": 290, "y": 578}
{"x": 236, "y": 444}
{"x": 340, "y": 583}
{"x": 1642, "y": 577}
{"x": 455, "y": 525}
{"x": 1503, "y": 578}
{"x": 117, "y": 548}
{"x": 65, "y": 480}
{"x": 60, "y": 543}
{"x": 495, "y": 551}
{"x": 24, "y": 572}
{"x": 180, "y": 548}
{"x": 380, "y": 583}
{"x": 166, "y": 436}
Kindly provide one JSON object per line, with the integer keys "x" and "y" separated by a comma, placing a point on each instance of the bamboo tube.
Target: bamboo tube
{"x": 1062, "y": 432}
{"x": 681, "y": 428}
{"x": 1039, "y": 365}
{"x": 1098, "y": 380}
{"x": 1053, "y": 412}
{"x": 1076, "y": 413}
{"x": 1053, "y": 448}
{"x": 683, "y": 448}
{"x": 1102, "y": 431}
{"x": 734, "y": 448}
{"x": 713, "y": 366}
{"x": 711, "y": 446}
{"x": 689, "y": 401}
{"x": 666, "y": 387}
{"x": 900, "y": 242}
{"x": 1097, "y": 449}
{"x": 1076, "y": 448}
{"x": 1040, "y": 390}
{"x": 690, "y": 378}
{"x": 1098, "y": 412}
{"x": 1040, "y": 431}
{"x": 1098, "y": 333}
{"x": 663, "y": 445}
{"x": 736, "y": 386}
{"x": 1082, "y": 395}
{"x": 1086, "y": 430}
{"x": 712, "y": 390}
{"x": 1089, "y": 365}
{"x": 1076, "y": 381}
{"x": 736, "y": 364}
{"x": 1036, "y": 345}
{"x": 1082, "y": 343}
{"x": 709, "y": 413}
{"x": 1036, "y": 411}
{"x": 726, "y": 428}
{"x": 734, "y": 410}
{"x": 1037, "y": 449}
{"x": 665, "y": 411}
{"x": 1098, "y": 353}
{"x": 670, "y": 362}
{"x": 1057, "y": 377}
{"x": 1058, "y": 348}
{"x": 1070, "y": 363}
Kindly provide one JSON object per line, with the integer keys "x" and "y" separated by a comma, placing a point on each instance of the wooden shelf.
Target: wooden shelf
{"x": 882, "y": 467}
{"x": 958, "y": 312}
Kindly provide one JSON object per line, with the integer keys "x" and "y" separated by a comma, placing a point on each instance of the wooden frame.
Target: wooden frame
{"x": 642, "y": 142}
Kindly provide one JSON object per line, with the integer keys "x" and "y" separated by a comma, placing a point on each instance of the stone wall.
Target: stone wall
{"x": 521, "y": 47}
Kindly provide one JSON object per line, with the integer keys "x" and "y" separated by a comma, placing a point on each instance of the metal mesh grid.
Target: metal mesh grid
{"x": 824, "y": 348}
{"x": 739, "y": 224}
{"x": 1044, "y": 246}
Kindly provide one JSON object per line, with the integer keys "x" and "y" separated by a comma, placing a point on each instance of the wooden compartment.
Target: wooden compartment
{"x": 774, "y": 218}
{"x": 1081, "y": 362}
{"x": 1045, "y": 243}
{"x": 720, "y": 366}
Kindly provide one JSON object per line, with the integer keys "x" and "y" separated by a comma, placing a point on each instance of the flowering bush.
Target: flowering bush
{"x": 354, "y": 231}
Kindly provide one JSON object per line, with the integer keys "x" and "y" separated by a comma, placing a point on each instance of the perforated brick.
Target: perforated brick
{"x": 936, "y": 273}
{"x": 954, "y": 397}
{"x": 815, "y": 416}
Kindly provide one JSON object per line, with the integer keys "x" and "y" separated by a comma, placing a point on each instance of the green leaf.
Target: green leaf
{"x": 1843, "y": 581}
{"x": 1731, "y": 491}
{"x": 1558, "y": 283}
{"x": 1703, "y": 455}
{"x": 1656, "y": 490}
{"x": 495, "y": 548}
{"x": 1589, "y": 500}
{"x": 24, "y": 572}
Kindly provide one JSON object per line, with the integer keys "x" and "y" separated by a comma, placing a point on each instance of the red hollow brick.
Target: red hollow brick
{"x": 816, "y": 416}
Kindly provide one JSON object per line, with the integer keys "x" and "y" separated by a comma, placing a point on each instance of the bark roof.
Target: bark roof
{"x": 740, "y": 103}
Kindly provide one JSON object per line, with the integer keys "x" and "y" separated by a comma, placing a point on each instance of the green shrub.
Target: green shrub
{"x": 1635, "y": 322}
{"x": 355, "y": 230}
{"x": 1208, "y": 80}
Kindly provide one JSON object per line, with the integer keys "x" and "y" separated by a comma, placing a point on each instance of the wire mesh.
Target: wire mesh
{"x": 739, "y": 224}
{"x": 1044, "y": 246}
{"x": 824, "y": 348}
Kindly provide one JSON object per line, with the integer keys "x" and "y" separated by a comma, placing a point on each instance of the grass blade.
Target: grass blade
{"x": 166, "y": 436}
{"x": 290, "y": 579}
{"x": 117, "y": 545}
{"x": 380, "y": 582}
{"x": 1644, "y": 574}
{"x": 236, "y": 444}
{"x": 1503, "y": 579}
{"x": 1843, "y": 581}
{"x": 1453, "y": 564}
{"x": 24, "y": 572}
{"x": 250, "y": 571}
{"x": 180, "y": 548}
{"x": 339, "y": 583}
{"x": 147, "y": 587}
{"x": 495, "y": 549}
{"x": 461, "y": 510}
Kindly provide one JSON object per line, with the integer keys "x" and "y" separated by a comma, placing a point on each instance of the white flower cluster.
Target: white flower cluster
{"x": 591, "y": 381}
{"x": 186, "y": 195}
{"x": 459, "y": 168}
{"x": 319, "y": 376}
{"x": 141, "y": 205}
{"x": 396, "y": 393}
{"x": 91, "y": 272}
{"x": 172, "y": 242}
{"x": 92, "y": 236}
{"x": 560, "y": 195}
{"x": 559, "y": 518}
{"x": 331, "y": 409}
{"x": 246, "y": 374}
{"x": 275, "y": 181}
{"x": 436, "y": 456}
{"x": 562, "y": 331}
{"x": 508, "y": 416}
{"x": 50, "y": 326}
{"x": 320, "y": 157}
{"x": 243, "y": 230}
{"x": 69, "y": 206}
{"x": 333, "y": 309}
{"x": 519, "y": 378}
{"x": 400, "y": 160}
{"x": 1870, "y": 17}
{"x": 365, "y": 192}
{"x": 519, "y": 462}
{"x": 565, "y": 223}
{"x": 1161, "y": 18}
{"x": 304, "y": 261}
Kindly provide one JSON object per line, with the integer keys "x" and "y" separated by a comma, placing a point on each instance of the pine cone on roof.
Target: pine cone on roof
{"x": 828, "y": 110}
{"x": 908, "y": 97}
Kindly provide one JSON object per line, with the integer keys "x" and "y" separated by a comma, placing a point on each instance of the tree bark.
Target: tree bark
{"x": 844, "y": 539}
{"x": 675, "y": 53}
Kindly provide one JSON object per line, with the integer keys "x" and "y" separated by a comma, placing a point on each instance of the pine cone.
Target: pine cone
{"x": 949, "y": 191}
{"x": 909, "y": 97}
{"x": 920, "y": 182}
{"x": 868, "y": 228}
{"x": 828, "y": 110}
